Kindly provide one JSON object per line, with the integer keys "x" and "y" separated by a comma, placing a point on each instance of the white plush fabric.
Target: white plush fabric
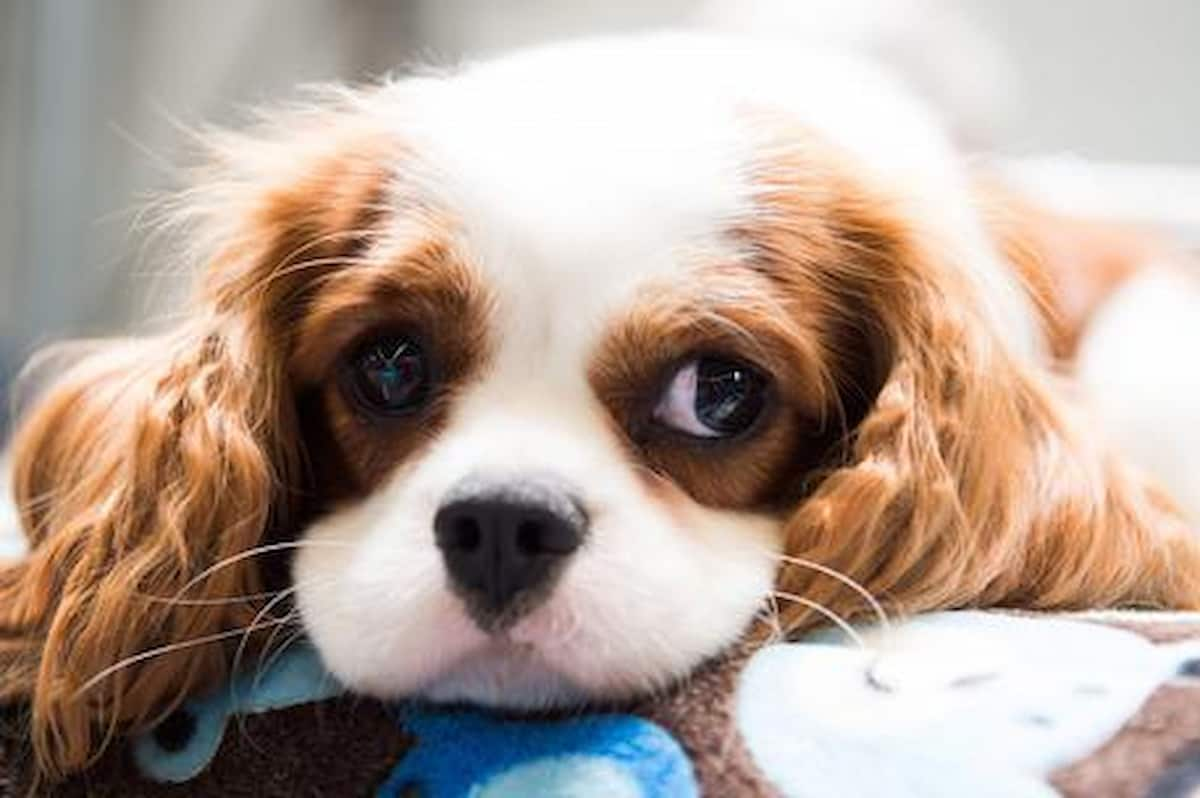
{"x": 947, "y": 704}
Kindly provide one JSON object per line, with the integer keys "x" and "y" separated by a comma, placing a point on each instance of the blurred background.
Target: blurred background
{"x": 1093, "y": 102}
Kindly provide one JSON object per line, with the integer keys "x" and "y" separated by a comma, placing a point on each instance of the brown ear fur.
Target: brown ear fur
{"x": 970, "y": 479}
{"x": 151, "y": 466}
{"x": 141, "y": 468}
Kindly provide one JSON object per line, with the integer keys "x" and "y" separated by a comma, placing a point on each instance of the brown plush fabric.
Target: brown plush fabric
{"x": 700, "y": 713}
{"x": 342, "y": 747}
{"x": 1157, "y": 753}
{"x": 1166, "y": 728}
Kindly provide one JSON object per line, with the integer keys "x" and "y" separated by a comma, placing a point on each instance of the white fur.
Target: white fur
{"x": 637, "y": 605}
{"x": 580, "y": 172}
{"x": 1140, "y": 368}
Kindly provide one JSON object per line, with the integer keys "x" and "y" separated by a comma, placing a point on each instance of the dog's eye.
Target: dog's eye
{"x": 389, "y": 375}
{"x": 712, "y": 397}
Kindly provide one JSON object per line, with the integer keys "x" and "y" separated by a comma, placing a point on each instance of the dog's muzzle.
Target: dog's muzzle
{"x": 505, "y": 541}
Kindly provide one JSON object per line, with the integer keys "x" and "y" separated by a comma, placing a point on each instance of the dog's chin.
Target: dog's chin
{"x": 535, "y": 664}
{"x": 544, "y": 662}
{"x": 506, "y": 674}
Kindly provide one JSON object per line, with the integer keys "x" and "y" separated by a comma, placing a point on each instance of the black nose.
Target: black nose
{"x": 504, "y": 543}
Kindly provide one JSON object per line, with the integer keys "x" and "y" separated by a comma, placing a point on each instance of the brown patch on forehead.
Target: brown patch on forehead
{"x": 337, "y": 246}
{"x": 825, "y": 230}
{"x": 342, "y": 249}
{"x": 301, "y": 217}
{"x": 795, "y": 303}
{"x": 422, "y": 289}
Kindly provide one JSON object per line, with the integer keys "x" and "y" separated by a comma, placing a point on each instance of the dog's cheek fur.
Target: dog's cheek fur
{"x": 149, "y": 470}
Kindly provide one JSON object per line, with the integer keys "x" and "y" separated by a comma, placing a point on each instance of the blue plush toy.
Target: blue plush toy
{"x": 469, "y": 753}
{"x": 456, "y": 753}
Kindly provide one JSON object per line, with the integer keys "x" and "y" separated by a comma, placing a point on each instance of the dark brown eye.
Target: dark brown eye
{"x": 712, "y": 397}
{"x": 389, "y": 375}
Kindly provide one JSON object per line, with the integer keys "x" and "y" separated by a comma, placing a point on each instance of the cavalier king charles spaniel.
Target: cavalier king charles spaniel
{"x": 539, "y": 382}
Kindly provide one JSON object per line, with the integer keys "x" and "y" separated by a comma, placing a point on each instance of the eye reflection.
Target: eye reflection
{"x": 712, "y": 397}
{"x": 389, "y": 375}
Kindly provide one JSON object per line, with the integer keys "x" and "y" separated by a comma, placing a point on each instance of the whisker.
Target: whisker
{"x": 317, "y": 241}
{"x": 254, "y": 552}
{"x": 313, "y": 263}
{"x": 772, "y": 616}
{"x": 290, "y": 263}
{"x": 877, "y": 608}
{"x": 154, "y": 652}
{"x": 264, "y": 667}
{"x": 243, "y": 729}
{"x": 255, "y": 625}
{"x": 827, "y": 613}
{"x": 234, "y": 670}
{"x": 212, "y": 602}
{"x": 292, "y": 616}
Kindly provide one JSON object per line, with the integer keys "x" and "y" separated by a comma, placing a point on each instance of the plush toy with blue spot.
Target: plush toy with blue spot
{"x": 471, "y": 753}
{"x": 943, "y": 705}
{"x": 453, "y": 753}
{"x": 184, "y": 745}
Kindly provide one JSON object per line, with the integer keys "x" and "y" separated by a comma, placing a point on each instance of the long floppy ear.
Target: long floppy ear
{"x": 144, "y": 465}
{"x": 150, "y": 470}
{"x": 968, "y": 478}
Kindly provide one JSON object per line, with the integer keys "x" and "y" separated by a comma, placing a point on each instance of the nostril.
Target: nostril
{"x": 465, "y": 534}
{"x": 531, "y": 537}
{"x": 503, "y": 546}
{"x": 547, "y": 535}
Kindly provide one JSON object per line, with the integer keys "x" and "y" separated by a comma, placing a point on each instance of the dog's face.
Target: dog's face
{"x": 570, "y": 403}
{"x": 564, "y": 410}
{"x": 575, "y": 503}
{"x": 555, "y": 375}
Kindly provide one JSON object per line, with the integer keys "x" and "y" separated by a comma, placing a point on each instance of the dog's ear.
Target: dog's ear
{"x": 966, "y": 478}
{"x": 144, "y": 465}
{"x": 147, "y": 473}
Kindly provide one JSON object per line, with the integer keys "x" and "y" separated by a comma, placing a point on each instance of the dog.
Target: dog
{"x": 539, "y": 382}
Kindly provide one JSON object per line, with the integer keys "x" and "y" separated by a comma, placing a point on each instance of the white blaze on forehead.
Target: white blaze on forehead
{"x": 570, "y": 196}
{"x": 580, "y": 170}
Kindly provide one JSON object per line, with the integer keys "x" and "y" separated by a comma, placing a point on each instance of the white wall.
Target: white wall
{"x": 1110, "y": 79}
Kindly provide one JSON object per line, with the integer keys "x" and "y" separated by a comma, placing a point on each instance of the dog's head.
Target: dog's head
{"x": 554, "y": 375}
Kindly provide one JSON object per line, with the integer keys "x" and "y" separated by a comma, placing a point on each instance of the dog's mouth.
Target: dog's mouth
{"x": 506, "y": 672}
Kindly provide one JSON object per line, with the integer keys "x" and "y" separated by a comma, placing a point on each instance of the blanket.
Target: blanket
{"x": 947, "y": 704}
